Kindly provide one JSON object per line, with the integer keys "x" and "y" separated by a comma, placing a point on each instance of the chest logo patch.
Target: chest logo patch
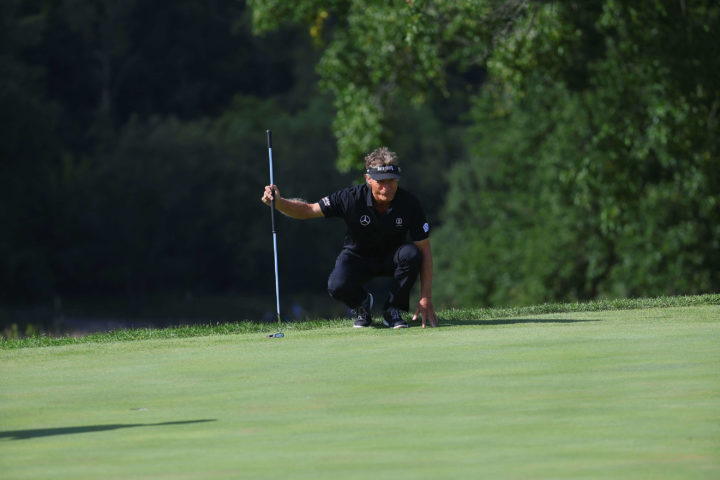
{"x": 399, "y": 222}
{"x": 364, "y": 220}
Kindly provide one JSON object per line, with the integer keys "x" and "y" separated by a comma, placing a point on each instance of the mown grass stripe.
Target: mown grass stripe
{"x": 455, "y": 315}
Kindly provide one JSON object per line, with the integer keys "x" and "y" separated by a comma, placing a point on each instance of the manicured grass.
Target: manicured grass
{"x": 586, "y": 394}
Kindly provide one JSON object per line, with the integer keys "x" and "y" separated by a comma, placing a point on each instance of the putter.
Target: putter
{"x": 279, "y": 333}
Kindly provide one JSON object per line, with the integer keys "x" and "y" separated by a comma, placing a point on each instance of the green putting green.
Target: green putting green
{"x": 606, "y": 394}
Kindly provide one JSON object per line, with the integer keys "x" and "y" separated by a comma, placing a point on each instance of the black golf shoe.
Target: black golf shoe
{"x": 392, "y": 318}
{"x": 363, "y": 317}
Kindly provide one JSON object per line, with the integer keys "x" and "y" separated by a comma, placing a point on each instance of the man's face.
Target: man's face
{"x": 383, "y": 190}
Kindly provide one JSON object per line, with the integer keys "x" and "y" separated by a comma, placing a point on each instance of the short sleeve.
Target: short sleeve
{"x": 334, "y": 205}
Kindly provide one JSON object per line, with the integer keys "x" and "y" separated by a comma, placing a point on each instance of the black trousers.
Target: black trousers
{"x": 352, "y": 271}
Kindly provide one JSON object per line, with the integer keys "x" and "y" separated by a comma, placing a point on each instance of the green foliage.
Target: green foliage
{"x": 594, "y": 167}
{"x": 383, "y": 55}
{"x": 133, "y": 142}
{"x": 508, "y": 233}
{"x": 592, "y": 147}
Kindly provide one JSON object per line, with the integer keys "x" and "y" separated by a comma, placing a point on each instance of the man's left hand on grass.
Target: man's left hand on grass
{"x": 426, "y": 312}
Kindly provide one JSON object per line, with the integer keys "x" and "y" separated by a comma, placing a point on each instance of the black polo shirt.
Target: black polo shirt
{"x": 370, "y": 233}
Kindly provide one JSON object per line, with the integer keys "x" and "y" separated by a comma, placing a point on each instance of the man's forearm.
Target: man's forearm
{"x": 426, "y": 268}
{"x": 294, "y": 207}
{"x": 426, "y": 276}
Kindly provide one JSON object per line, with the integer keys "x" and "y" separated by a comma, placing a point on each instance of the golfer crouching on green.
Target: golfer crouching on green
{"x": 379, "y": 217}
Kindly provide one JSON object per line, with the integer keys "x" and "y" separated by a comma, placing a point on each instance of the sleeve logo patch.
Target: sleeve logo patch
{"x": 326, "y": 201}
{"x": 426, "y": 227}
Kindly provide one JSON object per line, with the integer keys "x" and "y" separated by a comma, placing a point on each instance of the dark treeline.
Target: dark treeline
{"x": 133, "y": 151}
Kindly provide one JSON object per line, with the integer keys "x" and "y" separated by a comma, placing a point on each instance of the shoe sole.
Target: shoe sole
{"x": 395, "y": 327}
{"x": 361, "y": 326}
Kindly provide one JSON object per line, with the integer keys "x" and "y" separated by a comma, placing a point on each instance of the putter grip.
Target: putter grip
{"x": 269, "y": 138}
{"x": 272, "y": 211}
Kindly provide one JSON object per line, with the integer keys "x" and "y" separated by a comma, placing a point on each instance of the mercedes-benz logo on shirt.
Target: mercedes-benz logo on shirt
{"x": 364, "y": 220}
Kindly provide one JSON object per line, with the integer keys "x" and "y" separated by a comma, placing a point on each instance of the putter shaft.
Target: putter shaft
{"x": 274, "y": 233}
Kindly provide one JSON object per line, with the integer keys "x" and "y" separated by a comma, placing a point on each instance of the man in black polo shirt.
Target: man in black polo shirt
{"x": 380, "y": 217}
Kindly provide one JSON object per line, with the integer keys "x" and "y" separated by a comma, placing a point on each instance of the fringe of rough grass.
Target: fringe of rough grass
{"x": 465, "y": 315}
{"x": 451, "y": 316}
{"x": 244, "y": 327}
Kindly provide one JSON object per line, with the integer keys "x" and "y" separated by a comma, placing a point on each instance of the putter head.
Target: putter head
{"x": 276, "y": 335}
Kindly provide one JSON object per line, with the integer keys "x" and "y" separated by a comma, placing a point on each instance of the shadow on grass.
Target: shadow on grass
{"x": 445, "y": 323}
{"x": 49, "y": 432}
{"x": 509, "y": 321}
